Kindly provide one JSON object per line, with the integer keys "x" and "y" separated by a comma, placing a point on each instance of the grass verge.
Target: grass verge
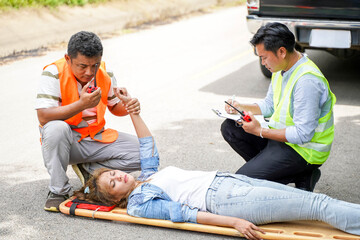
{"x": 17, "y": 4}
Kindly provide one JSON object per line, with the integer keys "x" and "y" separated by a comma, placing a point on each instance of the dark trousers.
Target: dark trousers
{"x": 265, "y": 158}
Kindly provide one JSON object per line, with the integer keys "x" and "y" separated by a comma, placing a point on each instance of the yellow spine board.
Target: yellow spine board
{"x": 296, "y": 230}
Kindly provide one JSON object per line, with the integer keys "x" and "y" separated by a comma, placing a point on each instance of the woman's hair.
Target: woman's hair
{"x": 93, "y": 193}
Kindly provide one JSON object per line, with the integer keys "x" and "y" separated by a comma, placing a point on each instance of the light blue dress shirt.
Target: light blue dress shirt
{"x": 310, "y": 100}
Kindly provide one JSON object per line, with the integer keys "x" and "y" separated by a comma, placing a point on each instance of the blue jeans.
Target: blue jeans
{"x": 261, "y": 202}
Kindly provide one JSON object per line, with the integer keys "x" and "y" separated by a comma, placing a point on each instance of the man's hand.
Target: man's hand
{"x": 89, "y": 100}
{"x": 231, "y": 110}
{"x": 252, "y": 127}
{"x": 132, "y": 105}
{"x": 248, "y": 229}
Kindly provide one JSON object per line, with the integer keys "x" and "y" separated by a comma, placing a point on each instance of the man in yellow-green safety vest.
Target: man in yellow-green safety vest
{"x": 299, "y": 103}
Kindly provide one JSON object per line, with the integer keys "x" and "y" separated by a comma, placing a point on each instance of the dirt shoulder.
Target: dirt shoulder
{"x": 25, "y": 32}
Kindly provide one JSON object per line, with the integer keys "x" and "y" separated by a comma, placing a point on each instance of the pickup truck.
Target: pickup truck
{"x": 330, "y": 25}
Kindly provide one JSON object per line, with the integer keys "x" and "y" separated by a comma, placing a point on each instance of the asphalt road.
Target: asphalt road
{"x": 179, "y": 72}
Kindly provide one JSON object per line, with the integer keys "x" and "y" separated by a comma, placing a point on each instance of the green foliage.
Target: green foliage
{"x": 6, "y": 4}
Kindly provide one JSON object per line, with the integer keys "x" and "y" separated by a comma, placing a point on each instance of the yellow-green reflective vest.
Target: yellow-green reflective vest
{"x": 318, "y": 149}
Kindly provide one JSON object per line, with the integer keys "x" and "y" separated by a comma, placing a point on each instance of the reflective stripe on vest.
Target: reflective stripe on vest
{"x": 318, "y": 149}
{"x": 70, "y": 94}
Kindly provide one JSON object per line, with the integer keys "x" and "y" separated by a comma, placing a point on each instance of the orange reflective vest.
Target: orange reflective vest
{"x": 70, "y": 94}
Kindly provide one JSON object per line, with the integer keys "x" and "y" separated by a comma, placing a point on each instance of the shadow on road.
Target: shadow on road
{"x": 196, "y": 145}
{"x": 340, "y": 173}
{"x": 248, "y": 81}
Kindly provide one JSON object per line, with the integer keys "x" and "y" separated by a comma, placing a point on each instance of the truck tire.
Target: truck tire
{"x": 265, "y": 71}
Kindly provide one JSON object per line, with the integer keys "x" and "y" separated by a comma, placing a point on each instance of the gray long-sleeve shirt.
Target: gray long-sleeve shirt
{"x": 310, "y": 100}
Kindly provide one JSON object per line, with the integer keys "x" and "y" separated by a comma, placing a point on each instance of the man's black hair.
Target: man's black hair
{"x": 274, "y": 36}
{"x": 85, "y": 43}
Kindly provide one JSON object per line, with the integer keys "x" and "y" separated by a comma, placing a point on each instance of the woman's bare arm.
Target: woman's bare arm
{"x": 248, "y": 229}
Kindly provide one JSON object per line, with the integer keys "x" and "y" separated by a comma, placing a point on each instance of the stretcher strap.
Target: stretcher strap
{"x": 72, "y": 209}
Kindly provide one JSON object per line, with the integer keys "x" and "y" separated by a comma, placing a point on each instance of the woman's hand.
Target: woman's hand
{"x": 248, "y": 229}
{"x": 133, "y": 106}
{"x": 122, "y": 94}
{"x": 245, "y": 227}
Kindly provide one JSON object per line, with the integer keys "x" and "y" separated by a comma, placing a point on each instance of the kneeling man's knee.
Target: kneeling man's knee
{"x": 226, "y": 128}
{"x": 55, "y": 131}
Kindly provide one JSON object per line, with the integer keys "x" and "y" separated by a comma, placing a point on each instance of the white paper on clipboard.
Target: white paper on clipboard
{"x": 236, "y": 117}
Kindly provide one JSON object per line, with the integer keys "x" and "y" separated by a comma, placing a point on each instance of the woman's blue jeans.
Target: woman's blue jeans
{"x": 261, "y": 201}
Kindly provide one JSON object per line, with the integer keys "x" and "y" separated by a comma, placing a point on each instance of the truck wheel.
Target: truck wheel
{"x": 265, "y": 71}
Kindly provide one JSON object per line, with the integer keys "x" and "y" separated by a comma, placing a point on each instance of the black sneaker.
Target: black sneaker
{"x": 81, "y": 173}
{"x": 308, "y": 182}
{"x": 53, "y": 201}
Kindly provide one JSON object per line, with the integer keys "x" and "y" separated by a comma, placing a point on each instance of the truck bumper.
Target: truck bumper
{"x": 301, "y": 28}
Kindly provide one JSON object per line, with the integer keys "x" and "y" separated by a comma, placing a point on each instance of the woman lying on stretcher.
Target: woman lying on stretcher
{"x": 211, "y": 198}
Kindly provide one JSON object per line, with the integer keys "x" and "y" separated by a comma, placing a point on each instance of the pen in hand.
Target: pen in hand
{"x": 232, "y": 102}
{"x": 244, "y": 115}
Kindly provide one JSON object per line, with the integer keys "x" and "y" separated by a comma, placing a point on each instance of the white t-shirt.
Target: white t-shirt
{"x": 184, "y": 186}
{"x": 49, "y": 94}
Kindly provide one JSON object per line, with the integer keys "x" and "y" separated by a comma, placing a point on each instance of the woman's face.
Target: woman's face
{"x": 116, "y": 183}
